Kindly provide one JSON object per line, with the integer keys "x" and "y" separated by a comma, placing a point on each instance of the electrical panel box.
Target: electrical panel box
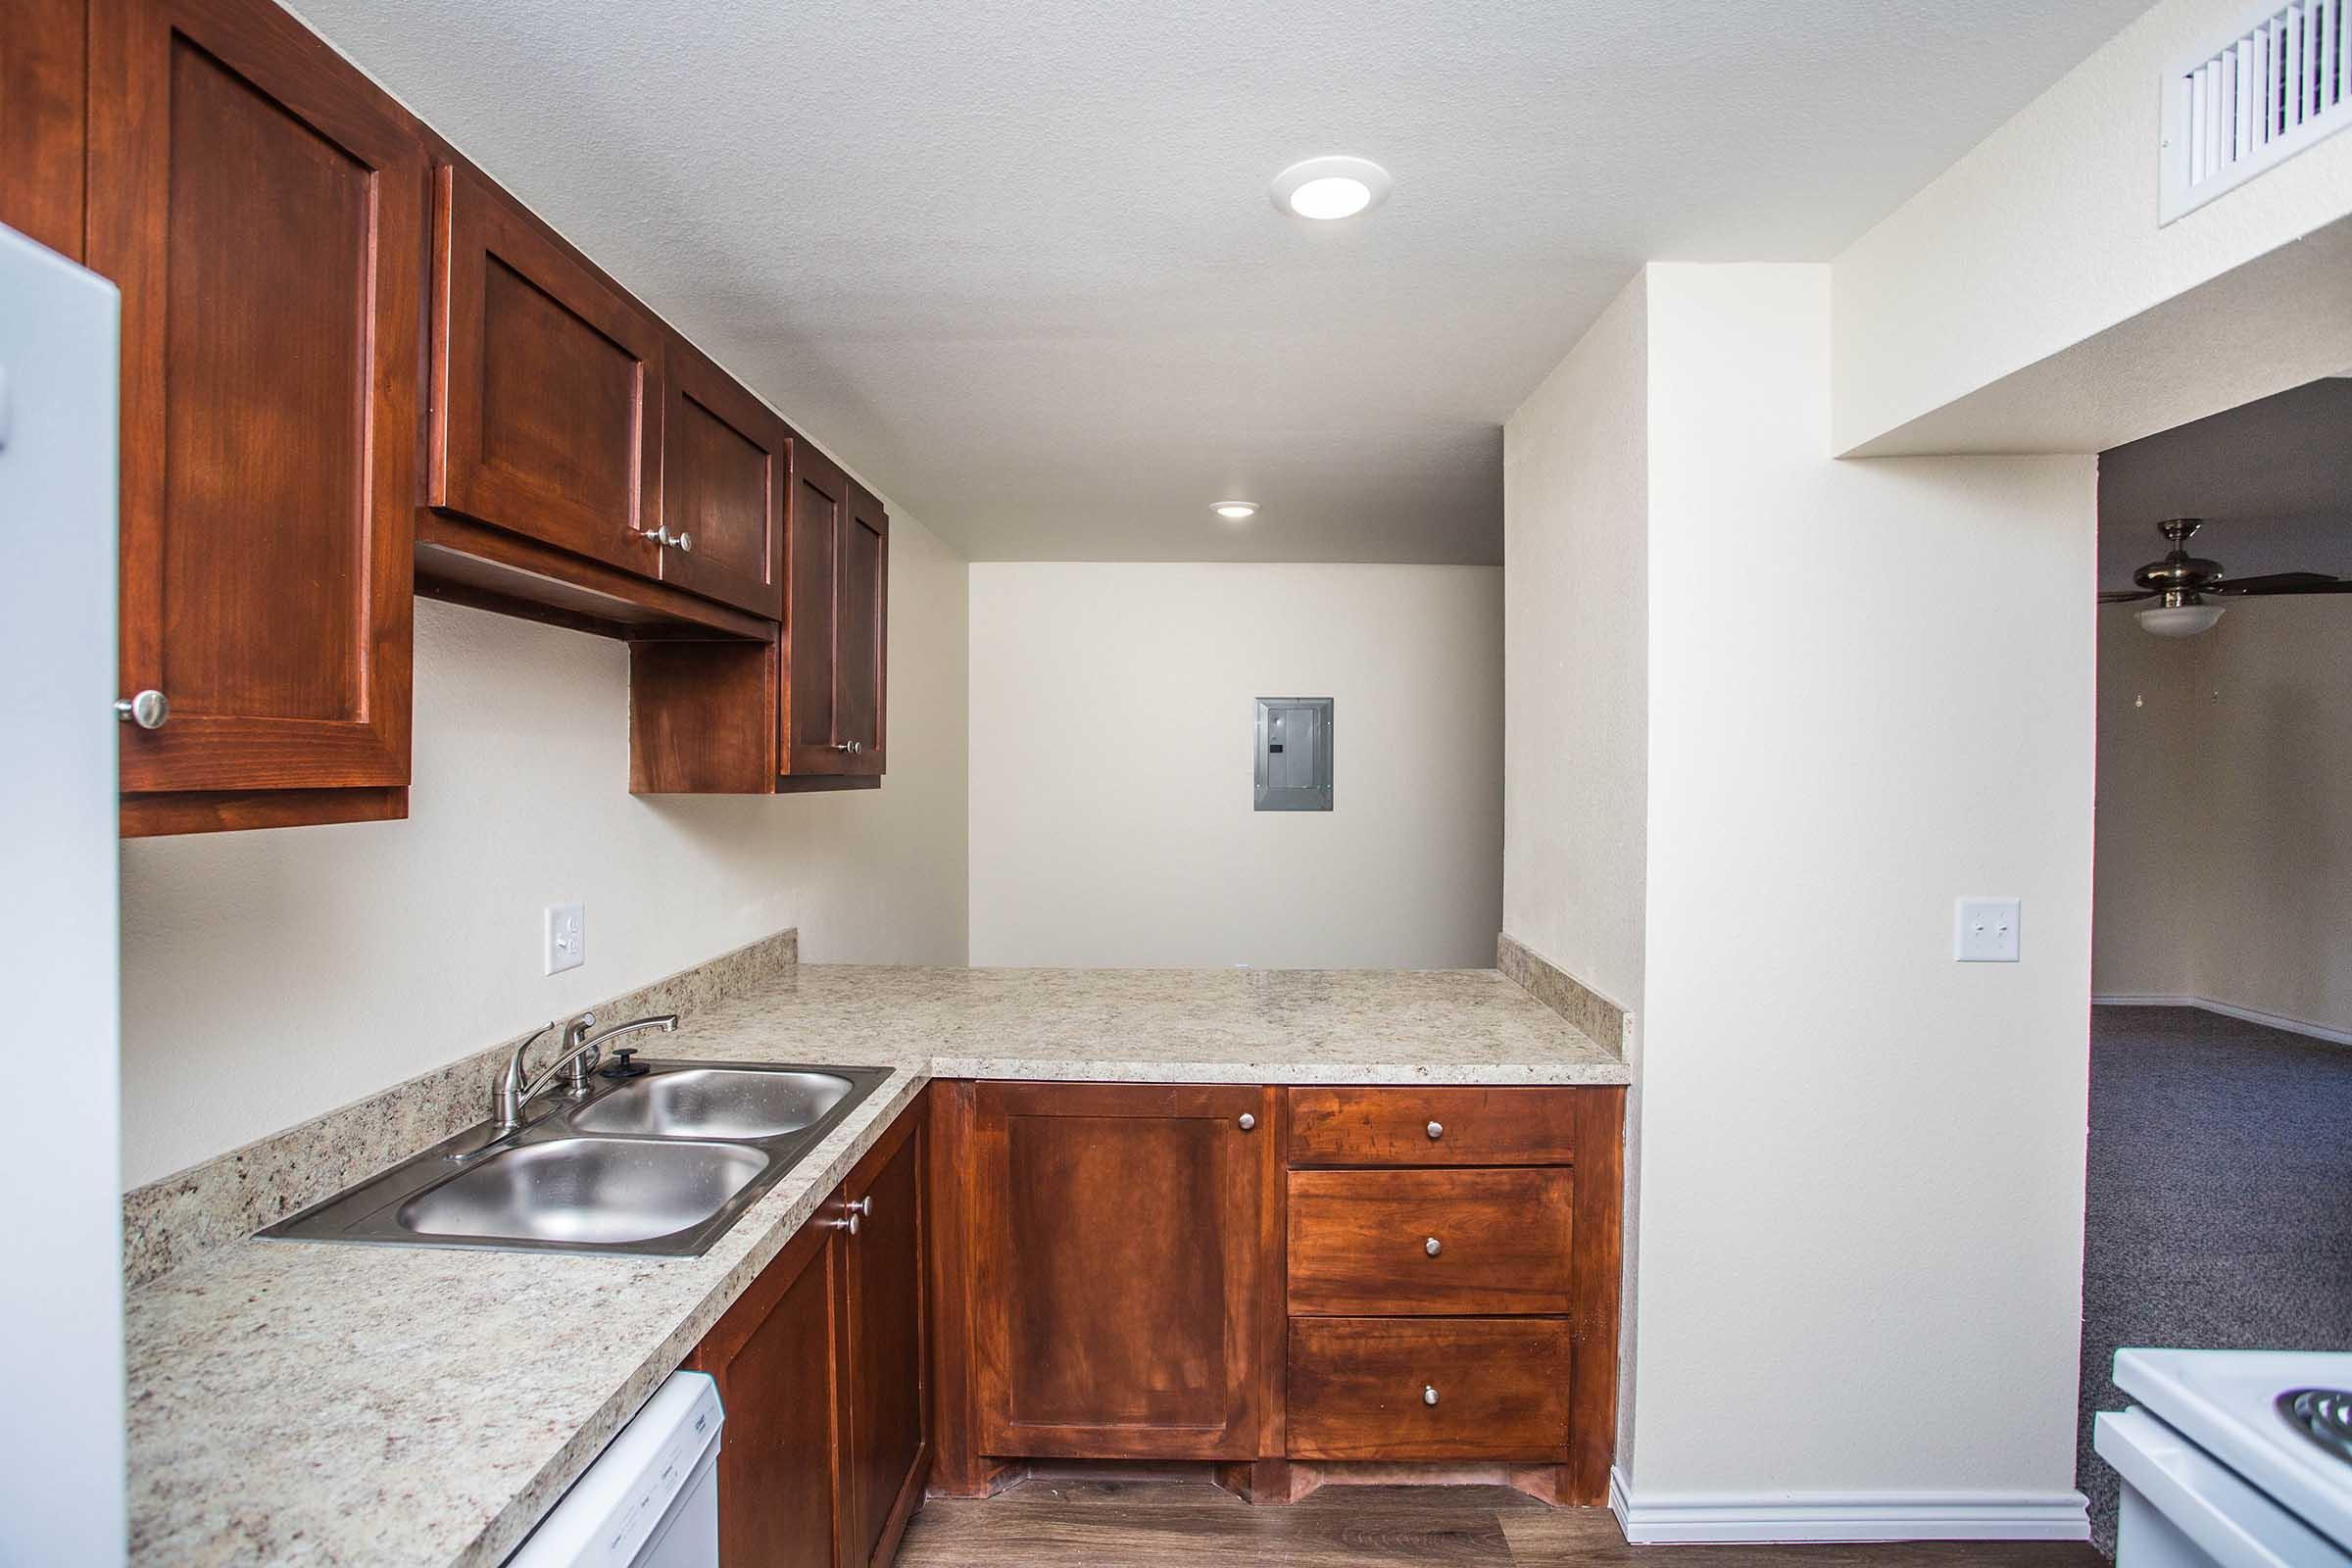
{"x": 1294, "y": 754}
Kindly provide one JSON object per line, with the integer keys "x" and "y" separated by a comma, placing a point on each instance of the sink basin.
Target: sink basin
{"x": 654, "y": 1166}
{"x": 598, "y": 1191}
{"x": 714, "y": 1102}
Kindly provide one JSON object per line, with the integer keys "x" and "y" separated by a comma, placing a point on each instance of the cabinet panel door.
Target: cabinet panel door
{"x": 773, "y": 1357}
{"x": 861, "y": 635}
{"x": 263, "y": 207}
{"x": 820, "y": 506}
{"x": 546, "y": 380}
{"x": 1124, "y": 1236}
{"x": 888, "y": 1453}
{"x": 724, "y": 455}
{"x": 44, "y": 77}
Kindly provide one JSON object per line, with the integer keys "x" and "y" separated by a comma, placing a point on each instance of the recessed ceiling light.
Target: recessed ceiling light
{"x": 1236, "y": 510}
{"x": 1326, "y": 188}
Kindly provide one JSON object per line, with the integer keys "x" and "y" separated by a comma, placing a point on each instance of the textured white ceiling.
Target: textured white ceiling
{"x": 1013, "y": 260}
{"x": 2273, "y": 480}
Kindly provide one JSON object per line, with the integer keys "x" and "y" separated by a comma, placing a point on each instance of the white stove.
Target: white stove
{"x": 2241, "y": 1459}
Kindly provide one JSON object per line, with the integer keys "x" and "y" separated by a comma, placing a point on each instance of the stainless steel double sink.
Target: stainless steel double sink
{"x": 658, "y": 1164}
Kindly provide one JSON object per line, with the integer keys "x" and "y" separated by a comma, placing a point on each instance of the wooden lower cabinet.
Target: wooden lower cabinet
{"x": 1130, "y": 1271}
{"x": 778, "y": 1379}
{"x": 820, "y": 1367}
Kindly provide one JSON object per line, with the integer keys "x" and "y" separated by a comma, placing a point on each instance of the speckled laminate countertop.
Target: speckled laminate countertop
{"x": 325, "y": 1404}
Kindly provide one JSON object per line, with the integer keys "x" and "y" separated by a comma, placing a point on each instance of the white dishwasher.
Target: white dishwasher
{"x": 651, "y": 1498}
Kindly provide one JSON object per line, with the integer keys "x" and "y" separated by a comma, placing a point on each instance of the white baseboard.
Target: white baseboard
{"x": 2230, "y": 1009}
{"x": 1799, "y": 1516}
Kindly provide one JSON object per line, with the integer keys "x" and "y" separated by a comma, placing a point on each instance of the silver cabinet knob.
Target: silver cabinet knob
{"x": 853, "y": 748}
{"x": 685, "y": 541}
{"x": 1433, "y": 1246}
{"x": 865, "y": 1206}
{"x": 1437, "y": 1130}
{"x": 1247, "y": 1121}
{"x": 848, "y": 1220}
{"x": 148, "y": 709}
{"x": 1428, "y": 1394}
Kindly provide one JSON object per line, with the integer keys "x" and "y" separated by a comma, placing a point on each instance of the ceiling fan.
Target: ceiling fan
{"x": 2181, "y": 582}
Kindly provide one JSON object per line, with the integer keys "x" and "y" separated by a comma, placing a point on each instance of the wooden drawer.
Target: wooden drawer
{"x": 1391, "y": 1126}
{"x": 1360, "y": 1241}
{"x": 1359, "y": 1389}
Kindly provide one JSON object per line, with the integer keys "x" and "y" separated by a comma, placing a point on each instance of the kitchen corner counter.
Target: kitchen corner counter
{"x": 339, "y": 1404}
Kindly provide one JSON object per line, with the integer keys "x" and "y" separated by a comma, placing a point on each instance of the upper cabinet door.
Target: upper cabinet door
{"x": 547, "y": 385}
{"x": 43, "y": 77}
{"x": 819, "y": 506}
{"x": 263, "y": 207}
{"x": 862, "y": 630}
{"x": 839, "y": 587}
{"x": 724, "y": 456}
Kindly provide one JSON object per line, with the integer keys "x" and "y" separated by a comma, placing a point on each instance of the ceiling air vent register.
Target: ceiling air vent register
{"x": 2260, "y": 96}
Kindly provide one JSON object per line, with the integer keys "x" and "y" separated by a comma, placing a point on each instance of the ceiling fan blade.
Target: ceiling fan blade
{"x": 2123, "y": 596}
{"x": 2282, "y": 582}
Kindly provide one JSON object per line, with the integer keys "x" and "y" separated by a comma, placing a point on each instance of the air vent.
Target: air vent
{"x": 2269, "y": 90}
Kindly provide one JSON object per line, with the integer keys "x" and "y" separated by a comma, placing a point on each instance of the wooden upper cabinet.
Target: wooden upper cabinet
{"x": 1124, "y": 1237}
{"x": 43, "y": 80}
{"x": 547, "y": 385}
{"x": 837, "y": 631}
{"x": 263, "y": 207}
{"x": 725, "y": 461}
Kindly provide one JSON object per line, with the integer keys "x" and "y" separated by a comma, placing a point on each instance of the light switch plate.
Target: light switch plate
{"x": 1985, "y": 931}
{"x": 566, "y": 936}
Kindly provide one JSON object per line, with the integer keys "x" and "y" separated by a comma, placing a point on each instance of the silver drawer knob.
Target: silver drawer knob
{"x": 1428, "y": 1394}
{"x": 1247, "y": 1121}
{"x": 1437, "y": 1130}
{"x": 1433, "y": 1246}
{"x": 851, "y": 747}
{"x": 148, "y": 709}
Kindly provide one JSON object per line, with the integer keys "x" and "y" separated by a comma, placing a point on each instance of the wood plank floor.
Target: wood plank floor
{"x": 1178, "y": 1522}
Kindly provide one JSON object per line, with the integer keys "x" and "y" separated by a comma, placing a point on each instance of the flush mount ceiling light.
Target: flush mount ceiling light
{"x": 2179, "y": 621}
{"x": 1326, "y": 188}
{"x": 1236, "y": 510}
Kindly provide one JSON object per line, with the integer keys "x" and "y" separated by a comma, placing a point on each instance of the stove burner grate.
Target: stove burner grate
{"x": 2323, "y": 1415}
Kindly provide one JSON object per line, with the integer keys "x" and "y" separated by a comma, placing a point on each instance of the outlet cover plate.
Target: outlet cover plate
{"x": 1985, "y": 931}
{"x": 566, "y": 936}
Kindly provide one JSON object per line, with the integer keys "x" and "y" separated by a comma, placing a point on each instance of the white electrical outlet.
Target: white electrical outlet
{"x": 567, "y": 936}
{"x": 1985, "y": 931}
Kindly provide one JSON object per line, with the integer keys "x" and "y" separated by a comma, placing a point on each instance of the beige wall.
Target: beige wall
{"x": 2045, "y": 236}
{"x": 1837, "y": 1116}
{"x": 1575, "y": 525}
{"x": 269, "y": 976}
{"x": 2225, "y": 826}
{"x": 1832, "y": 1114}
{"x": 1113, "y": 722}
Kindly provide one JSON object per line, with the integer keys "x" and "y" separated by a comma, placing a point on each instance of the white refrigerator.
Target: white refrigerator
{"x": 61, "y": 1481}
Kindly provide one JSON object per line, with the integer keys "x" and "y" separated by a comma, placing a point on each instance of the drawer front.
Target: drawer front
{"x": 1394, "y": 1126}
{"x": 1361, "y": 1242}
{"x": 1361, "y": 1388}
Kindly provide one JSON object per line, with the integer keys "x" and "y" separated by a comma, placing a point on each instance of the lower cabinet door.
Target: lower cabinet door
{"x": 1465, "y": 1388}
{"x": 1124, "y": 1238}
{"x": 772, "y": 1356}
{"x": 888, "y": 1447}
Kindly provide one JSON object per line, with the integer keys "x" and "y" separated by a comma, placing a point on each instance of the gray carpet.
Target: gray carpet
{"x": 2219, "y": 1203}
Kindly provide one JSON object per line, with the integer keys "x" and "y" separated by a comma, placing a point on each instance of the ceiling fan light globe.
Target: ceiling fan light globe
{"x": 2178, "y": 620}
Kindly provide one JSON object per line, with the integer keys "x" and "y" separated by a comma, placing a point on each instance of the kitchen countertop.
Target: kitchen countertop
{"x": 336, "y": 1404}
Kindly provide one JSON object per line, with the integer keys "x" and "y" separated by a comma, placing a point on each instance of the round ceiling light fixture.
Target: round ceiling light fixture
{"x": 1327, "y": 188}
{"x": 1236, "y": 510}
